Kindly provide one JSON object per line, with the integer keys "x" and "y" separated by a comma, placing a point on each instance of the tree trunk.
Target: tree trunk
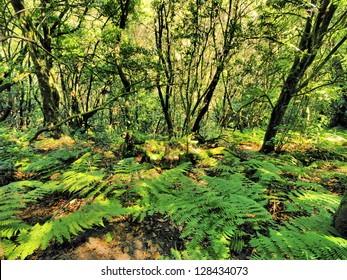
{"x": 340, "y": 116}
{"x": 165, "y": 60}
{"x": 43, "y": 63}
{"x": 165, "y": 105}
{"x": 6, "y": 108}
{"x": 340, "y": 217}
{"x": 5, "y": 113}
{"x": 208, "y": 97}
{"x": 315, "y": 29}
{"x": 50, "y": 98}
{"x": 278, "y": 112}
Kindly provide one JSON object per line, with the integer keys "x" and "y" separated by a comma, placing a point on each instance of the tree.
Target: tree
{"x": 119, "y": 12}
{"x": 318, "y": 24}
{"x": 63, "y": 42}
{"x": 340, "y": 217}
{"x": 229, "y": 28}
{"x": 38, "y": 33}
{"x": 194, "y": 42}
{"x": 340, "y": 106}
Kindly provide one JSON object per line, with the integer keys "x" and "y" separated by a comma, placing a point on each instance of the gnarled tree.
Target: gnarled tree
{"x": 318, "y": 24}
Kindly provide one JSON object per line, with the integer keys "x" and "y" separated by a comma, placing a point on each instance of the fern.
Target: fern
{"x": 14, "y": 198}
{"x": 43, "y": 166}
{"x": 211, "y": 210}
{"x": 83, "y": 183}
{"x": 308, "y": 233}
{"x": 85, "y": 180}
{"x": 294, "y": 171}
{"x": 263, "y": 172}
{"x": 221, "y": 207}
{"x": 40, "y": 236}
{"x": 89, "y": 182}
{"x": 292, "y": 244}
{"x": 87, "y": 162}
{"x": 311, "y": 201}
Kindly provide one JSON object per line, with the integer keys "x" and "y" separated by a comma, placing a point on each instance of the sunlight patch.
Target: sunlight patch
{"x": 336, "y": 138}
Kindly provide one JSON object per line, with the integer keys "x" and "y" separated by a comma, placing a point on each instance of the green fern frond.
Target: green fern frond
{"x": 11, "y": 227}
{"x": 211, "y": 210}
{"x": 82, "y": 182}
{"x": 191, "y": 254}
{"x": 7, "y": 245}
{"x": 254, "y": 164}
{"x": 89, "y": 182}
{"x": 312, "y": 201}
{"x": 263, "y": 172}
{"x": 40, "y": 236}
{"x": 222, "y": 170}
{"x": 14, "y": 198}
{"x": 44, "y": 166}
{"x": 313, "y": 224}
{"x": 289, "y": 244}
{"x": 305, "y": 237}
{"x": 87, "y": 162}
{"x": 294, "y": 171}
{"x": 54, "y": 162}
{"x": 302, "y": 185}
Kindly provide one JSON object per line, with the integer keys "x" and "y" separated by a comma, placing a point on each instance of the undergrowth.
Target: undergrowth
{"x": 227, "y": 203}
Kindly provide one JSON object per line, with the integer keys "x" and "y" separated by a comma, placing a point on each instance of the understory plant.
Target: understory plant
{"x": 225, "y": 205}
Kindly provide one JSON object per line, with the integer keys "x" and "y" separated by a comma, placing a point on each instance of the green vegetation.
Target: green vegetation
{"x": 222, "y": 202}
{"x": 207, "y": 129}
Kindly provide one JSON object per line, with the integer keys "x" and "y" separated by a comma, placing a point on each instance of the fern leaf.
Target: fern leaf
{"x": 40, "y": 236}
{"x": 292, "y": 244}
{"x": 210, "y": 210}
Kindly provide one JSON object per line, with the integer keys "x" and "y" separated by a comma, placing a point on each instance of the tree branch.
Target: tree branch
{"x": 79, "y": 115}
{"x": 321, "y": 65}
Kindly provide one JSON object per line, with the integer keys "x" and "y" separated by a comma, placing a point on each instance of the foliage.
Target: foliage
{"x": 224, "y": 202}
{"x": 211, "y": 211}
{"x": 195, "y": 85}
{"x": 82, "y": 180}
{"x": 293, "y": 244}
{"x": 39, "y": 236}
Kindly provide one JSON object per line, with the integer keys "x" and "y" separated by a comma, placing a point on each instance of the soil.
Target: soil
{"x": 122, "y": 239}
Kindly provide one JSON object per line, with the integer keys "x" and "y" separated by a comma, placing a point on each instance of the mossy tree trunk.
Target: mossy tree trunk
{"x": 49, "y": 93}
{"x": 40, "y": 51}
{"x": 315, "y": 30}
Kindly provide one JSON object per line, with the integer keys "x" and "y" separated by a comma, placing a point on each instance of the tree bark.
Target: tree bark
{"x": 340, "y": 217}
{"x": 279, "y": 110}
{"x": 6, "y": 108}
{"x": 125, "y": 8}
{"x": 207, "y": 100}
{"x": 4, "y": 115}
{"x": 165, "y": 105}
{"x": 164, "y": 60}
{"x": 40, "y": 54}
{"x": 315, "y": 29}
{"x": 232, "y": 18}
{"x": 340, "y": 115}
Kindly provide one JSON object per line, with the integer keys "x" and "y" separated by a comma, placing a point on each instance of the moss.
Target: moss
{"x": 217, "y": 151}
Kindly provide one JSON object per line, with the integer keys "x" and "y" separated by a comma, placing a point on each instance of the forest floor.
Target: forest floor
{"x": 315, "y": 167}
